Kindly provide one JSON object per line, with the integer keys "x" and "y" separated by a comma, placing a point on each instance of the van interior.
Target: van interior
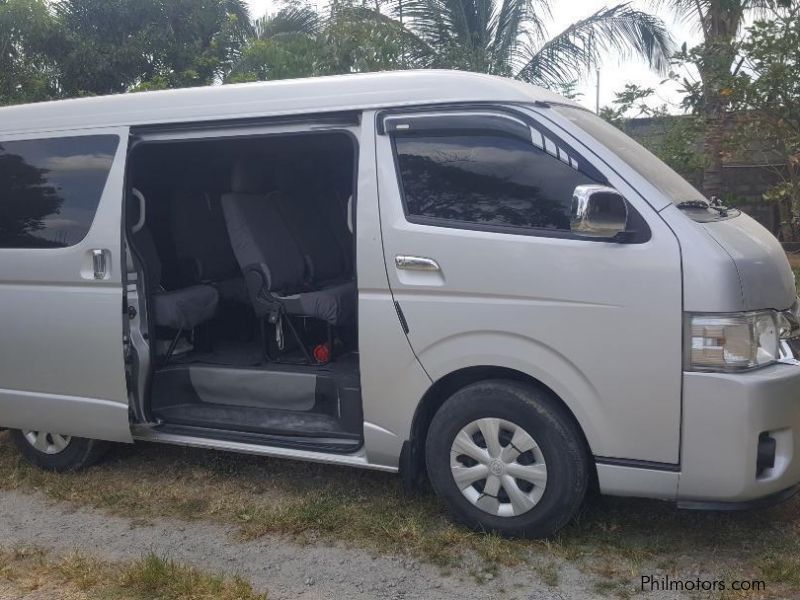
{"x": 244, "y": 249}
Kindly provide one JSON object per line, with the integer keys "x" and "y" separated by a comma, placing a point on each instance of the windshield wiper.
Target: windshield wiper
{"x": 715, "y": 204}
{"x": 693, "y": 204}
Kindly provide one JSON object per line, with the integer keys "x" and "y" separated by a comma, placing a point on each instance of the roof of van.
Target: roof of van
{"x": 286, "y": 97}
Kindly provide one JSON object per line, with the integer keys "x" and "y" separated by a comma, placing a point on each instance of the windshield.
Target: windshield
{"x": 644, "y": 162}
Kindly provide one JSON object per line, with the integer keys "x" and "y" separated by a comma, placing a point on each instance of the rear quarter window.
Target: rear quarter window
{"x": 50, "y": 189}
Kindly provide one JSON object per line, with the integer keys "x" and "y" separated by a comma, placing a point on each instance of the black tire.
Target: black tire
{"x": 79, "y": 453}
{"x": 554, "y": 430}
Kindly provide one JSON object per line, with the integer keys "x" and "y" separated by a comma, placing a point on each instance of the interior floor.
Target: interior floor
{"x": 269, "y": 399}
{"x": 230, "y": 353}
{"x": 254, "y": 420}
{"x": 226, "y": 367}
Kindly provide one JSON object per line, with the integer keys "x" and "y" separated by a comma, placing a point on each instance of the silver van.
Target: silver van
{"x": 447, "y": 275}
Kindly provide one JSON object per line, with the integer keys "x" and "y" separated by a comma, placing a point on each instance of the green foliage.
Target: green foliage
{"x": 85, "y": 47}
{"x": 285, "y": 58}
{"x": 360, "y": 40}
{"x": 298, "y": 42}
{"x": 27, "y": 41}
{"x": 772, "y": 88}
{"x": 113, "y": 46}
{"x": 570, "y": 91}
{"x": 680, "y": 146}
{"x": 487, "y": 36}
{"x": 66, "y": 48}
{"x": 631, "y": 98}
{"x": 717, "y": 61}
{"x": 676, "y": 138}
{"x": 744, "y": 100}
{"x": 770, "y": 93}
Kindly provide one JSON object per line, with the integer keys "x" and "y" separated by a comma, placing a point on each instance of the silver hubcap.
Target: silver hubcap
{"x": 48, "y": 443}
{"x": 498, "y": 467}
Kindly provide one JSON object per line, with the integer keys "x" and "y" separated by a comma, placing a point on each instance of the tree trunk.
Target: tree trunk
{"x": 794, "y": 201}
{"x": 719, "y": 53}
{"x": 785, "y": 227}
{"x": 713, "y": 142}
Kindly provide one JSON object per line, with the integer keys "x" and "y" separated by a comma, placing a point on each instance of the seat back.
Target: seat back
{"x": 259, "y": 235}
{"x": 310, "y": 227}
{"x": 316, "y": 215}
{"x": 200, "y": 236}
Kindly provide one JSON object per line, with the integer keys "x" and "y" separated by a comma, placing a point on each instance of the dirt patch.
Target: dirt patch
{"x": 283, "y": 568}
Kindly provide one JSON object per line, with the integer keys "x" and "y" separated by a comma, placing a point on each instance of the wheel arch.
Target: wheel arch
{"x": 412, "y": 457}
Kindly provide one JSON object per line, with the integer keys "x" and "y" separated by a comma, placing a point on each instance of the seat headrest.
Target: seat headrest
{"x": 247, "y": 177}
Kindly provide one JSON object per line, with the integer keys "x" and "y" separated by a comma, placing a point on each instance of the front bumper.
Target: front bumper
{"x": 724, "y": 415}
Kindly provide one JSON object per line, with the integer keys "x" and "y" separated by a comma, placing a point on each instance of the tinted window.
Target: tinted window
{"x": 489, "y": 179}
{"x": 50, "y": 189}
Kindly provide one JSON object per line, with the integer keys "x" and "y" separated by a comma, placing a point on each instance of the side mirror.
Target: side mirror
{"x": 598, "y": 211}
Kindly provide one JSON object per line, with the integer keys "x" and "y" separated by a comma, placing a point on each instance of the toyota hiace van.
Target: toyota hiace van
{"x": 448, "y": 275}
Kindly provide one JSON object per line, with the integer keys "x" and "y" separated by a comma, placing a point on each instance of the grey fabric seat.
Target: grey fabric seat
{"x": 333, "y": 303}
{"x": 186, "y": 308}
{"x": 312, "y": 227}
{"x": 202, "y": 245}
{"x": 182, "y": 309}
{"x": 277, "y": 273}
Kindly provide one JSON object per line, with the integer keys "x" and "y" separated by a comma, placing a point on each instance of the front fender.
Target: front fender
{"x": 528, "y": 356}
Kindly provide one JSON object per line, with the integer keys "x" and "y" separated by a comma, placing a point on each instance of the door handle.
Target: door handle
{"x": 100, "y": 263}
{"x": 416, "y": 263}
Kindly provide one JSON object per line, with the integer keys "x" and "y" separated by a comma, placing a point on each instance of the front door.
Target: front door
{"x": 61, "y": 301}
{"x": 475, "y": 208}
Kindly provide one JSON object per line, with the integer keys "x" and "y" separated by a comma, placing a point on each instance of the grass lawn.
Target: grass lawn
{"x": 31, "y": 571}
{"x": 614, "y": 539}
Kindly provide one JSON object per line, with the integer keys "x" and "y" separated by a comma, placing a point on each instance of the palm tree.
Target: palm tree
{"x": 351, "y": 36}
{"x": 292, "y": 20}
{"x": 720, "y": 22}
{"x": 509, "y": 37}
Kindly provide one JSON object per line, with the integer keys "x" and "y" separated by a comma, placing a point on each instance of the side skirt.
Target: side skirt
{"x": 356, "y": 459}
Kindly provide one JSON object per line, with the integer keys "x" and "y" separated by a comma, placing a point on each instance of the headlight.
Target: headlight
{"x": 734, "y": 342}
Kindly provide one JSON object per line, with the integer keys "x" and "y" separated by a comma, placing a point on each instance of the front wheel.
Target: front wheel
{"x": 56, "y": 452}
{"x": 503, "y": 456}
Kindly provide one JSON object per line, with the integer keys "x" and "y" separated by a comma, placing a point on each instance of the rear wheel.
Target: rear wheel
{"x": 503, "y": 456}
{"x": 56, "y": 452}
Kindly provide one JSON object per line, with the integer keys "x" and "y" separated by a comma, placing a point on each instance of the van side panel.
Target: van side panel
{"x": 61, "y": 351}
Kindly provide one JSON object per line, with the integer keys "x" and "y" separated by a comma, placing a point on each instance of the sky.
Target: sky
{"x": 613, "y": 73}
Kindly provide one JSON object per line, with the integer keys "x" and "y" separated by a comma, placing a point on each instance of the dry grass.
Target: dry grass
{"x": 613, "y": 538}
{"x": 795, "y": 262}
{"x": 38, "y": 575}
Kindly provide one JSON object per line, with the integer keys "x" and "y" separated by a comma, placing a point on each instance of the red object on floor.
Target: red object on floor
{"x": 322, "y": 353}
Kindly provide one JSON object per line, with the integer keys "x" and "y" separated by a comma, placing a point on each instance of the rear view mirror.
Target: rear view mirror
{"x": 598, "y": 211}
